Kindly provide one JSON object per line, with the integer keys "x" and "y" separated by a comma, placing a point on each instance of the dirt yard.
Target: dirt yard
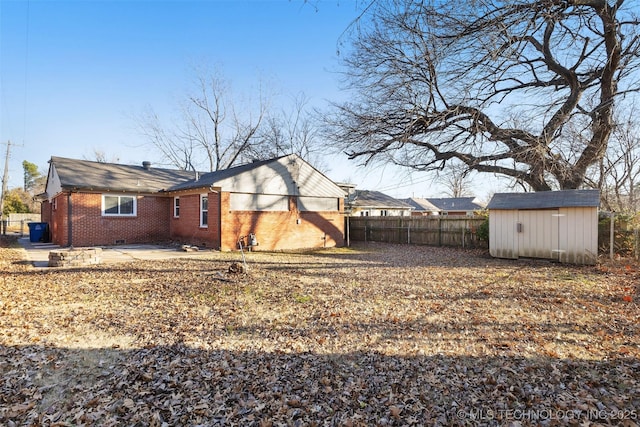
{"x": 373, "y": 335}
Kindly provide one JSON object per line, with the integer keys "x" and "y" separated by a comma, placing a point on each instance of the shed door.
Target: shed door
{"x": 537, "y": 232}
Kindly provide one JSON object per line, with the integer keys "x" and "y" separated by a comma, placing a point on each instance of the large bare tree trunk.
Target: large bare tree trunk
{"x": 490, "y": 85}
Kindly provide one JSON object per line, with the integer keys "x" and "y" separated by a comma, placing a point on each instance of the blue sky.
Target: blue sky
{"x": 74, "y": 73}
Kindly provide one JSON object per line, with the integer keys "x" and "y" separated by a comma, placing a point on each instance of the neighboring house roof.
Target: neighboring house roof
{"x": 286, "y": 175}
{"x": 377, "y": 200}
{"x": 457, "y": 204}
{"x": 89, "y": 175}
{"x": 289, "y": 175}
{"x": 421, "y": 205}
{"x": 545, "y": 199}
{"x": 348, "y": 188}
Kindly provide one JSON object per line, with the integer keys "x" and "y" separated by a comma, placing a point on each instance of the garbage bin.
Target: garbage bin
{"x": 36, "y": 231}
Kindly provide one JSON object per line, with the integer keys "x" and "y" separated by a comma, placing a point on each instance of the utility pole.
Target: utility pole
{"x": 5, "y": 179}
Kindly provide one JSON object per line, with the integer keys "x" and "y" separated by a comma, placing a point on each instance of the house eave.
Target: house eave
{"x": 97, "y": 189}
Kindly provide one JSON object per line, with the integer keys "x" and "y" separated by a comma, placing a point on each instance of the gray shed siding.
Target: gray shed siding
{"x": 578, "y": 235}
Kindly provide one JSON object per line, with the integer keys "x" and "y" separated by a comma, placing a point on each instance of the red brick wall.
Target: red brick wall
{"x": 282, "y": 230}
{"x": 186, "y": 228}
{"x": 57, "y": 219}
{"x": 45, "y": 211}
{"x": 155, "y": 223}
{"x": 90, "y": 228}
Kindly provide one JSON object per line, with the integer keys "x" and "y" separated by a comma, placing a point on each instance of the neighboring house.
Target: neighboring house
{"x": 284, "y": 202}
{"x": 422, "y": 207}
{"x": 375, "y": 203}
{"x": 467, "y": 206}
{"x": 556, "y": 225}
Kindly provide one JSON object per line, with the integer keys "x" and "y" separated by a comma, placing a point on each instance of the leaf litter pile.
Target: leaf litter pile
{"x": 376, "y": 334}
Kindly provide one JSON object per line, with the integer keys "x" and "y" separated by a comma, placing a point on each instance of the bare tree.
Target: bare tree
{"x": 293, "y": 131}
{"x": 101, "y": 157}
{"x": 164, "y": 138}
{"x": 617, "y": 175}
{"x": 441, "y": 81}
{"x": 456, "y": 181}
{"x": 215, "y": 129}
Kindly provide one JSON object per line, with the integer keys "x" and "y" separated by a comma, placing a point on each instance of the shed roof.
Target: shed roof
{"x": 545, "y": 199}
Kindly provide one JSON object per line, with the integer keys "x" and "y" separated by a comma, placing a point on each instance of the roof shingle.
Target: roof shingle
{"x": 545, "y": 199}
{"x": 85, "y": 174}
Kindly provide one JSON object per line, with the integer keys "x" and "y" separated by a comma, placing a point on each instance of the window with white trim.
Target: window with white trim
{"x": 204, "y": 210}
{"x": 119, "y": 205}
{"x": 176, "y": 207}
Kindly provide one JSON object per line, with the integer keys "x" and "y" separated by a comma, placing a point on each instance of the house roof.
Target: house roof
{"x": 210, "y": 178}
{"x": 90, "y": 175}
{"x": 282, "y": 175}
{"x": 545, "y": 199}
{"x": 286, "y": 175}
{"x": 376, "y": 199}
{"x": 421, "y": 205}
{"x": 457, "y": 203}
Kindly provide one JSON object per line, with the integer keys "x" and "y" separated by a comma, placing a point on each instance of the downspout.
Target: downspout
{"x": 69, "y": 221}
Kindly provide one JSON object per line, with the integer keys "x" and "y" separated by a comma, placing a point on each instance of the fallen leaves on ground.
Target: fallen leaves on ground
{"x": 372, "y": 335}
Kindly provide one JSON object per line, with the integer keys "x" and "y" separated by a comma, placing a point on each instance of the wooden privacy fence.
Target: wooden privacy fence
{"x": 440, "y": 231}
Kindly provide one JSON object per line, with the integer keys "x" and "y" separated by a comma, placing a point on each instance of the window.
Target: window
{"x": 204, "y": 210}
{"x": 176, "y": 207}
{"x": 118, "y": 205}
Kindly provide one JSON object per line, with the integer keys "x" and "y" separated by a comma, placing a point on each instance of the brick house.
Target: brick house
{"x": 284, "y": 202}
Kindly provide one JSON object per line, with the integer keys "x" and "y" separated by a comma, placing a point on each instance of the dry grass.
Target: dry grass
{"x": 376, "y": 334}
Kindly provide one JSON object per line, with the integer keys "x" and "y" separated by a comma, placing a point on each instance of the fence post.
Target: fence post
{"x": 463, "y": 230}
{"x": 611, "y": 234}
{"x": 409, "y": 233}
{"x": 348, "y": 231}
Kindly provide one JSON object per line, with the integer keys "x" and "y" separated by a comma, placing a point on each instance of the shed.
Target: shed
{"x": 555, "y": 225}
